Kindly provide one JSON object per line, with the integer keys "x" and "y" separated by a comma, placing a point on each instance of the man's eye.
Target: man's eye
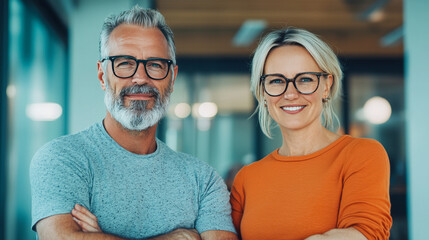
{"x": 155, "y": 65}
{"x": 124, "y": 63}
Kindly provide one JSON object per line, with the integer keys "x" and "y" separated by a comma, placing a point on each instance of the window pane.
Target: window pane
{"x": 37, "y": 103}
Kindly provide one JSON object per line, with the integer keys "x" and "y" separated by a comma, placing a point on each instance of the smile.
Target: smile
{"x": 296, "y": 108}
{"x": 139, "y": 96}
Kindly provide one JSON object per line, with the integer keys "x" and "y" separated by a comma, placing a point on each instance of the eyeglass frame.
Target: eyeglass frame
{"x": 288, "y": 80}
{"x": 138, "y": 61}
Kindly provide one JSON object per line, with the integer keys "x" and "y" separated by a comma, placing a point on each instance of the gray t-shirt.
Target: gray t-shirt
{"x": 133, "y": 196}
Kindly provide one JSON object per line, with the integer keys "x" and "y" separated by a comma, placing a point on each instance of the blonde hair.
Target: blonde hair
{"x": 321, "y": 53}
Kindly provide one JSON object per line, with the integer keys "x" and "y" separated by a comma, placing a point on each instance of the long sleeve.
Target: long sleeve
{"x": 237, "y": 200}
{"x": 365, "y": 202}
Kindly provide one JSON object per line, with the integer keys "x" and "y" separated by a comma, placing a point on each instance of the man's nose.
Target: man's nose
{"x": 140, "y": 77}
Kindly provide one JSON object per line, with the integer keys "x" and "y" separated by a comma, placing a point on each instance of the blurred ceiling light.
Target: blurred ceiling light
{"x": 182, "y": 110}
{"x": 376, "y": 16}
{"x": 373, "y": 13}
{"x": 377, "y": 110}
{"x": 248, "y": 32}
{"x": 207, "y": 109}
{"x": 392, "y": 38}
{"x": 11, "y": 91}
{"x": 44, "y": 111}
{"x": 204, "y": 110}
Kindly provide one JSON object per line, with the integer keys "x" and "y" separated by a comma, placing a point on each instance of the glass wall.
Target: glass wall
{"x": 36, "y": 92}
{"x": 209, "y": 118}
{"x": 4, "y": 20}
{"x": 377, "y": 111}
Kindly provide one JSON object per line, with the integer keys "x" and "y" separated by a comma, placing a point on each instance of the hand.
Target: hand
{"x": 180, "y": 234}
{"x": 85, "y": 219}
{"x": 345, "y": 233}
{"x": 315, "y": 237}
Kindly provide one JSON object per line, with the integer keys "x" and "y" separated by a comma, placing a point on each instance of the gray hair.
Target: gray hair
{"x": 147, "y": 18}
{"x": 322, "y": 54}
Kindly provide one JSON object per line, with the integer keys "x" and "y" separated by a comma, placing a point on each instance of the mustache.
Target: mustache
{"x": 145, "y": 89}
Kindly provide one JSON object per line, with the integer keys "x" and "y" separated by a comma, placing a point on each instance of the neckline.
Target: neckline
{"x": 275, "y": 154}
{"x": 124, "y": 151}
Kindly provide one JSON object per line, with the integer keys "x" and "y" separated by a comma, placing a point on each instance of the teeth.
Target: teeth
{"x": 293, "y": 108}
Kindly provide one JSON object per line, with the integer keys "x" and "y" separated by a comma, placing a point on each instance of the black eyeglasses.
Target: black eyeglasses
{"x": 125, "y": 66}
{"x": 305, "y": 83}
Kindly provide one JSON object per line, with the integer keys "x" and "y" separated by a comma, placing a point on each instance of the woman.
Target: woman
{"x": 318, "y": 184}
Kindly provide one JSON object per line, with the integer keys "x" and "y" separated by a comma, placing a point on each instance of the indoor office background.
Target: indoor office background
{"x": 49, "y": 86}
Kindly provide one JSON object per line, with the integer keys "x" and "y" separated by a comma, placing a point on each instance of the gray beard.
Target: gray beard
{"x": 136, "y": 116}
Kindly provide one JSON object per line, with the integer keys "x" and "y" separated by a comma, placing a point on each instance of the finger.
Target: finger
{"x": 86, "y": 227}
{"x": 85, "y": 211}
{"x": 84, "y": 218}
{"x": 87, "y": 215}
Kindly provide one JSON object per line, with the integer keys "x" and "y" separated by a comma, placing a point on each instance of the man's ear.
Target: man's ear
{"x": 100, "y": 74}
{"x": 176, "y": 68}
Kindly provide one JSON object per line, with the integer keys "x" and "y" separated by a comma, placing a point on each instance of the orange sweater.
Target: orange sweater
{"x": 343, "y": 185}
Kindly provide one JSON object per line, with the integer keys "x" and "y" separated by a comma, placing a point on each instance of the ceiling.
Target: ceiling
{"x": 207, "y": 27}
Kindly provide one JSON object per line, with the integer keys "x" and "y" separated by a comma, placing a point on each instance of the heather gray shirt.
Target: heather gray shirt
{"x": 133, "y": 196}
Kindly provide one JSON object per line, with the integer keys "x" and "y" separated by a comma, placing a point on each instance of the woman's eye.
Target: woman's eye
{"x": 306, "y": 79}
{"x": 276, "y": 81}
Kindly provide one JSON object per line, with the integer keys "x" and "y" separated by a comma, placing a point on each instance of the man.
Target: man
{"x": 136, "y": 186}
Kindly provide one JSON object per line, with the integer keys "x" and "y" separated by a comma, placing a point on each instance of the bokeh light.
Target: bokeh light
{"x": 182, "y": 110}
{"x": 377, "y": 110}
{"x": 44, "y": 111}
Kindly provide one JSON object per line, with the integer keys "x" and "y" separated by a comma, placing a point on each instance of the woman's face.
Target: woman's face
{"x": 293, "y": 110}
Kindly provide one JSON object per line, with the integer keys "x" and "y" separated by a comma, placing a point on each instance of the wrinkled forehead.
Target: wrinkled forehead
{"x": 136, "y": 39}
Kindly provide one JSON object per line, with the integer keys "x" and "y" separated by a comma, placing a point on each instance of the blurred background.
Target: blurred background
{"x": 49, "y": 86}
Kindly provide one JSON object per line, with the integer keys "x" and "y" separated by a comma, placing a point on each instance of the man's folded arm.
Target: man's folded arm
{"x": 63, "y": 227}
{"x": 218, "y": 235}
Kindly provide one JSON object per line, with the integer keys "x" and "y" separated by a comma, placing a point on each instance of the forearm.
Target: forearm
{"x": 188, "y": 234}
{"x": 62, "y": 227}
{"x": 218, "y": 235}
{"x": 334, "y": 234}
{"x": 93, "y": 236}
{"x": 74, "y": 234}
{"x": 79, "y": 235}
{"x": 51, "y": 235}
{"x": 88, "y": 223}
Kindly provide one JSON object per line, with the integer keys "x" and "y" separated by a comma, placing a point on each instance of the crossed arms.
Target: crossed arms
{"x": 82, "y": 225}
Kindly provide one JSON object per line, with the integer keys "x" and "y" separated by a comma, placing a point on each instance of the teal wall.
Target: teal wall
{"x": 416, "y": 39}
{"x": 86, "y": 95}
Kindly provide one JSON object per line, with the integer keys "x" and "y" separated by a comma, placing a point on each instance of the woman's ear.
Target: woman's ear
{"x": 328, "y": 84}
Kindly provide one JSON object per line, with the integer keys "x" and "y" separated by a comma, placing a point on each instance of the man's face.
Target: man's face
{"x": 137, "y": 102}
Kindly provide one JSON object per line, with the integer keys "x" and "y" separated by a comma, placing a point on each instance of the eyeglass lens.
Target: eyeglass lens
{"x": 126, "y": 67}
{"x": 305, "y": 83}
